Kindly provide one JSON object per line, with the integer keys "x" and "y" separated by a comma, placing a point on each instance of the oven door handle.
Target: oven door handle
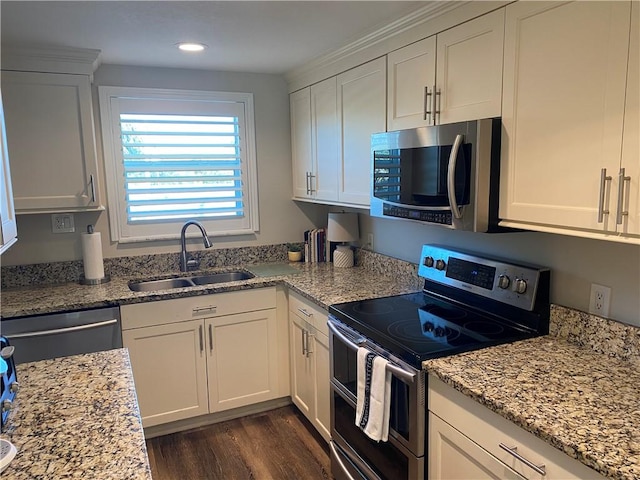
{"x": 343, "y": 467}
{"x": 399, "y": 372}
{"x": 451, "y": 177}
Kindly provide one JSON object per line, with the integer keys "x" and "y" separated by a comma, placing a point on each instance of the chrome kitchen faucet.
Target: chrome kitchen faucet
{"x": 187, "y": 263}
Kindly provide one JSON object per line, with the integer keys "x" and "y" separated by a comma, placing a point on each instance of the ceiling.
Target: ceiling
{"x": 243, "y": 36}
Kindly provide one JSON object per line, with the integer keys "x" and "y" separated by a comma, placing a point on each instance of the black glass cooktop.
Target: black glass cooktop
{"x": 417, "y": 326}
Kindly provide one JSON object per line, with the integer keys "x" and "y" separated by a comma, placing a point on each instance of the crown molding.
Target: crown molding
{"x": 52, "y": 60}
{"x": 428, "y": 20}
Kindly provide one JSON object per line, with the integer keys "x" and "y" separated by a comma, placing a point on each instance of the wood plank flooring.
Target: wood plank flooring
{"x": 280, "y": 444}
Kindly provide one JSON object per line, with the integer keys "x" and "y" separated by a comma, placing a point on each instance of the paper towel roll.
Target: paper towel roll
{"x": 92, "y": 256}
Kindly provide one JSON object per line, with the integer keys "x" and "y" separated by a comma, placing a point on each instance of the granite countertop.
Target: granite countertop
{"x": 77, "y": 417}
{"x": 582, "y": 402}
{"x": 320, "y": 282}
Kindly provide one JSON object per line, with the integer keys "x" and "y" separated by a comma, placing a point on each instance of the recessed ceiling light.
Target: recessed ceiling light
{"x": 191, "y": 46}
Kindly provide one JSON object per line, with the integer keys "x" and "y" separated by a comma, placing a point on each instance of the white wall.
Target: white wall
{"x": 575, "y": 263}
{"x": 281, "y": 220}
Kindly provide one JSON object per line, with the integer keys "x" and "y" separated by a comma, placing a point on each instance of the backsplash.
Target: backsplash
{"x": 402, "y": 271}
{"x": 611, "y": 338}
{"x": 141, "y": 265}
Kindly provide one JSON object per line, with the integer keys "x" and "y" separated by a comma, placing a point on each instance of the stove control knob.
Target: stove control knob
{"x": 504, "y": 281}
{"x": 14, "y": 387}
{"x": 428, "y": 262}
{"x": 428, "y": 327}
{"x": 6, "y": 405}
{"x": 439, "y": 332}
{"x": 440, "y": 265}
{"x": 520, "y": 285}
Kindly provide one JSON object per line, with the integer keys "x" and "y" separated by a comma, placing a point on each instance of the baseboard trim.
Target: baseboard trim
{"x": 210, "y": 419}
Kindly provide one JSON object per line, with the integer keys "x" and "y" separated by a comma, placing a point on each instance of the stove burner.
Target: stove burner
{"x": 412, "y": 331}
{"x": 446, "y": 313}
{"x": 484, "y": 328}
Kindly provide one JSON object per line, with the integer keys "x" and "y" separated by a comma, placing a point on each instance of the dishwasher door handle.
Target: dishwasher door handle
{"x": 56, "y": 331}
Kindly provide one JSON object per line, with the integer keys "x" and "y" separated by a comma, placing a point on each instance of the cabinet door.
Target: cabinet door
{"x": 469, "y": 70}
{"x": 169, "y": 369}
{"x": 302, "y": 390}
{"x": 454, "y": 456}
{"x": 320, "y": 354}
{"x": 361, "y": 96}
{"x": 411, "y": 76}
{"x": 242, "y": 359}
{"x": 300, "y": 105}
{"x": 8, "y": 229}
{"x": 50, "y": 134}
{"x": 565, "y": 70}
{"x": 630, "y": 201}
{"x": 324, "y": 140}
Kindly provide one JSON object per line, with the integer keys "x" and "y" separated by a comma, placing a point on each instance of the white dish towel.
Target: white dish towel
{"x": 373, "y": 395}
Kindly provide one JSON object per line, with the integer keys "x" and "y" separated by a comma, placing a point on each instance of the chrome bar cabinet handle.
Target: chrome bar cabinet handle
{"x": 201, "y": 339}
{"x": 427, "y": 111}
{"x": 93, "y": 189}
{"x": 436, "y": 104}
{"x": 210, "y": 338}
{"x": 304, "y": 341}
{"x": 513, "y": 451}
{"x": 603, "y": 183}
{"x": 622, "y": 179}
{"x": 307, "y": 183}
{"x": 305, "y": 313}
{"x": 207, "y": 309}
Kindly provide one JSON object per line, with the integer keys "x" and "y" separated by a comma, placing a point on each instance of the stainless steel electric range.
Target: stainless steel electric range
{"x": 468, "y": 302}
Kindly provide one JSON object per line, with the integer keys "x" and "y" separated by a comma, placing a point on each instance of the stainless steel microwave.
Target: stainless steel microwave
{"x": 445, "y": 175}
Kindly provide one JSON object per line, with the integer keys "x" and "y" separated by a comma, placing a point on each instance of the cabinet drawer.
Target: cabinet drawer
{"x": 202, "y": 306}
{"x": 489, "y": 430}
{"x": 312, "y": 313}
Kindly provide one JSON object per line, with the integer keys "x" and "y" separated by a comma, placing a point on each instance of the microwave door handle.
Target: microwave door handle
{"x": 451, "y": 177}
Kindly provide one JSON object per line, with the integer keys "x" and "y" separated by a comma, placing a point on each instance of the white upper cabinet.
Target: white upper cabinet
{"x": 300, "y": 106}
{"x": 331, "y": 126}
{"x": 324, "y": 140}
{"x": 450, "y": 77}
{"x": 361, "y": 97}
{"x": 411, "y": 73}
{"x": 314, "y": 141}
{"x": 565, "y": 82}
{"x": 51, "y": 136}
{"x": 8, "y": 228}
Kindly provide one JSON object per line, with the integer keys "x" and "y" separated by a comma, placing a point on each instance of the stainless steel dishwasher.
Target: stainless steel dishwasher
{"x": 48, "y": 336}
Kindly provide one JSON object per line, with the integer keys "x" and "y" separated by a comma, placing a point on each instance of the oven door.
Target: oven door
{"x": 356, "y": 456}
{"x": 403, "y": 455}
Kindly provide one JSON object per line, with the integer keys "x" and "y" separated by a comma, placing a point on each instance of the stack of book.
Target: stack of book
{"x": 315, "y": 245}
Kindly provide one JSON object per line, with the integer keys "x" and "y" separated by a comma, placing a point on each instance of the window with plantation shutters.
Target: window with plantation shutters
{"x": 173, "y": 156}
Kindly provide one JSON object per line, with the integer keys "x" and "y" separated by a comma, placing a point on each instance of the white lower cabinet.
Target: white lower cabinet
{"x": 309, "y": 346}
{"x": 205, "y": 354}
{"x": 468, "y": 441}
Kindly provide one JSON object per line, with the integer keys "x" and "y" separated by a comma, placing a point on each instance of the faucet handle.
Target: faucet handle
{"x": 193, "y": 264}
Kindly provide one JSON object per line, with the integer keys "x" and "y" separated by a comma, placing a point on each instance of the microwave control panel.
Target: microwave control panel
{"x": 442, "y": 217}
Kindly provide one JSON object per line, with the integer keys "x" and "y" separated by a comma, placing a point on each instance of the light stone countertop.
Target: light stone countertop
{"x": 77, "y": 417}
{"x": 584, "y": 403}
{"x": 321, "y": 283}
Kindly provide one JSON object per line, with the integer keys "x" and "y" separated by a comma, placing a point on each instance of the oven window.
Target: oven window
{"x": 418, "y": 176}
{"x": 385, "y": 459}
{"x": 345, "y": 374}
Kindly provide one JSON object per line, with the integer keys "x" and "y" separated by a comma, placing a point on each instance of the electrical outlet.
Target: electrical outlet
{"x": 599, "y": 300}
{"x": 62, "y": 223}
{"x": 370, "y": 241}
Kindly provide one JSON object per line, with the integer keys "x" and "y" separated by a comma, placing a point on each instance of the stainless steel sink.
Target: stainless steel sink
{"x": 170, "y": 283}
{"x": 166, "y": 284}
{"x": 221, "y": 277}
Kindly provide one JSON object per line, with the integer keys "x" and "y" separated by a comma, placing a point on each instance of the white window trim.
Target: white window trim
{"x": 108, "y": 97}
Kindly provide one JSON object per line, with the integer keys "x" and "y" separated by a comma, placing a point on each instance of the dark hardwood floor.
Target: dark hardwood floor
{"x": 279, "y": 444}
